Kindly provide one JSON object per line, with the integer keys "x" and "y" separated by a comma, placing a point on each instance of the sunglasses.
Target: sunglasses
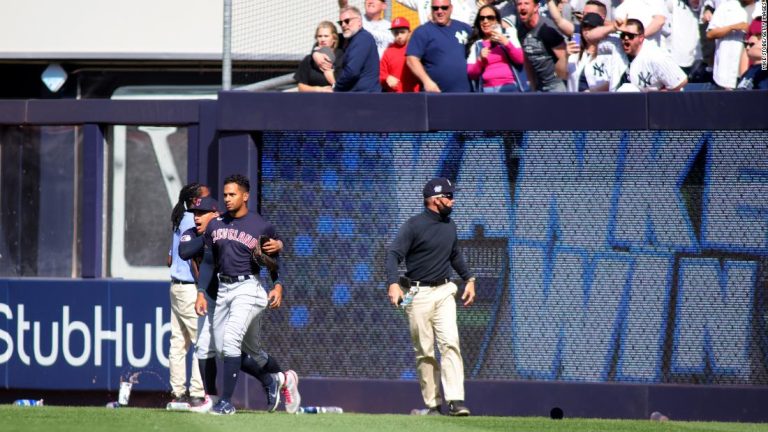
{"x": 345, "y": 21}
{"x": 437, "y": 8}
{"x": 749, "y": 44}
{"x": 487, "y": 17}
{"x": 449, "y": 196}
{"x": 628, "y": 35}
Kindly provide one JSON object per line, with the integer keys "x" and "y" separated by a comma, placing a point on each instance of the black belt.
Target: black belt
{"x": 234, "y": 279}
{"x": 176, "y": 281}
{"x": 429, "y": 283}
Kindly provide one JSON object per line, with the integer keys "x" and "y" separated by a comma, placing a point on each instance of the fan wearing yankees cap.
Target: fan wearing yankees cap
{"x": 429, "y": 245}
{"x": 595, "y": 65}
{"x": 394, "y": 75}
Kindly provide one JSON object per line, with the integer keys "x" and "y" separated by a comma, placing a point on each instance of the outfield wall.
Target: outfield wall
{"x": 620, "y": 244}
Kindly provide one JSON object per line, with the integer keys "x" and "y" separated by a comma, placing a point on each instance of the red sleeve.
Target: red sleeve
{"x": 384, "y": 69}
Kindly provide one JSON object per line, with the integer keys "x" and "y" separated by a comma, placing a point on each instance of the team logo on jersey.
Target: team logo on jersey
{"x": 462, "y": 37}
{"x": 599, "y": 69}
{"x": 234, "y": 235}
{"x": 644, "y": 79}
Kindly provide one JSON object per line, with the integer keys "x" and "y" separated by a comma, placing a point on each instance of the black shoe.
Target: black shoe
{"x": 435, "y": 411}
{"x": 196, "y": 402}
{"x": 432, "y": 411}
{"x": 457, "y": 408}
{"x": 181, "y": 399}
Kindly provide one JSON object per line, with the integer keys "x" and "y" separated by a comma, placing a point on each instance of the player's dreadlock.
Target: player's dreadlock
{"x": 186, "y": 195}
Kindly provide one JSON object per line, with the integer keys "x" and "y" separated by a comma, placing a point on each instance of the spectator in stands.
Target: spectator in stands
{"x": 507, "y": 10}
{"x": 463, "y": 10}
{"x": 650, "y": 68}
{"x": 595, "y": 66}
{"x": 360, "y": 63}
{"x": 436, "y": 52}
{"x": 684, "y": 39}
{"x": 755, "y": 27}
{"x": 652, "y": 13}
{"x": 394, "y": 75}
{"x": 544, "y": 48}
{"x": 568, "y": 28}
{"x": 374, "y": 22}
{"x": 309, "y": 76}
{"x": 491, "y": 54}
{"x": 727, "y": 28}
{"x": 755, "y": 78}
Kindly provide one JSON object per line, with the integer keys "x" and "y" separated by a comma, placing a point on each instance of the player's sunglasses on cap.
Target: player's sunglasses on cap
{"x": 628, "y": 35}
{"x": 447, "y": 195}
{"x": 437, "y": 8}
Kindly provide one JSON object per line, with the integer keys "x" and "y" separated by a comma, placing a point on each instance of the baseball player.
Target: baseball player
{"x": 428, "y": 244}
{"x": 258, "y": 364}
{"x": 230, "y": 242}
{"x": 182, "y": 296}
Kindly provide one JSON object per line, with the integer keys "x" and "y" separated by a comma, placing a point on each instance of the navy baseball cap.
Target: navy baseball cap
{"x": 592, "y": 20}
{"x": 204, "y": 204}
{"x": 438, "y": 186}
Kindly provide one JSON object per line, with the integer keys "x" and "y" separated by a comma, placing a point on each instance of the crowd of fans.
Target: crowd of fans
{"x": 539, "y": 45}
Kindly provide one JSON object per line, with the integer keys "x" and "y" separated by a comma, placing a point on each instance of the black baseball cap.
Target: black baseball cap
{"x": 438, "y": 186}
{"x": 204, "y": 204}
{"x": 593, "y": 20}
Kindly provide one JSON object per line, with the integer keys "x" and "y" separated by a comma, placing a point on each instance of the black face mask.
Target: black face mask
{"x": 444, "y": 210}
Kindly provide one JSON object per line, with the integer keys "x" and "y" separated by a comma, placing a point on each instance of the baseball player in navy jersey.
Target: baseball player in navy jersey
{"x": 192, "y": 247}
{"x": 240, "y": 301}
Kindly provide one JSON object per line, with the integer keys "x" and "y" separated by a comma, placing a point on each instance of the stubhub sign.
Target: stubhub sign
{"x": 85, "y": 335}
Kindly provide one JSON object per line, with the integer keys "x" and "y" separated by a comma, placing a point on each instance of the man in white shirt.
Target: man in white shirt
{"x": 463, "y": 10}
{"x": 650, "y": 68}
{"x": 683, "y": 41}
{"x": 652, "y": 13}
{"x": 727, "y": 28}
{"x": 375, "y": 24}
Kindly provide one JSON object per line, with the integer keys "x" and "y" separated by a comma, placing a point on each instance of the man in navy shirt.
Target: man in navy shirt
{"x": 436, "y": 52}
{"x": 241, "y": 299}
{"x": 260, "y": 365}
{"x": 360, "y": 64}
{"x": 429, "y": 245}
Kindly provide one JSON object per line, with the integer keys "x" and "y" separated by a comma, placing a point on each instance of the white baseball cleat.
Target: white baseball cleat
{"x": 290, "y": 390}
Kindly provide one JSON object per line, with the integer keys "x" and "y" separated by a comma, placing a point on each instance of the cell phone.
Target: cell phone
{"x": 576, "y": 38}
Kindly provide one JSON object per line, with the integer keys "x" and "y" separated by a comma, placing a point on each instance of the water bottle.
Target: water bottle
{"x": 28, "y": 402}
{"x": 320, "y": 410}
{"x": 113, "y": 405}
{"x": 409, "y": 296}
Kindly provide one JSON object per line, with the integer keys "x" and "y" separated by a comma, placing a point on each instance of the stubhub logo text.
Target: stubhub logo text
{"x": 70, "y": 339}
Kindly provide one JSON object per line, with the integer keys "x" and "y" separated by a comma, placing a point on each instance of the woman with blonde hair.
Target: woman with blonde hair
{"x": 310, "y": 77}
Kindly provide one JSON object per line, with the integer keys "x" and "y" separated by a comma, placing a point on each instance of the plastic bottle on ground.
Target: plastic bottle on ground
{"x": 320, "y": 410}
{"x": 28, "y": 402}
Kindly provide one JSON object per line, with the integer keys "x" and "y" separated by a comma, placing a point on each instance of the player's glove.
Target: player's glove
{"x": 262, "y": 259}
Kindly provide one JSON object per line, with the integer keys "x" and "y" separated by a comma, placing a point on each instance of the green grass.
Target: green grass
{"x": 86, "y": 419}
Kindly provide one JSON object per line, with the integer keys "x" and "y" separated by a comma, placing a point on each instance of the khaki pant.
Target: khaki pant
{"x": 432, "y": 314}
{"x": 183, "y": 333}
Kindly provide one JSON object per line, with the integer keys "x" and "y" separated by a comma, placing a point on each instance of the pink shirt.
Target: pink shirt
{"x": 495, "y": 69}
